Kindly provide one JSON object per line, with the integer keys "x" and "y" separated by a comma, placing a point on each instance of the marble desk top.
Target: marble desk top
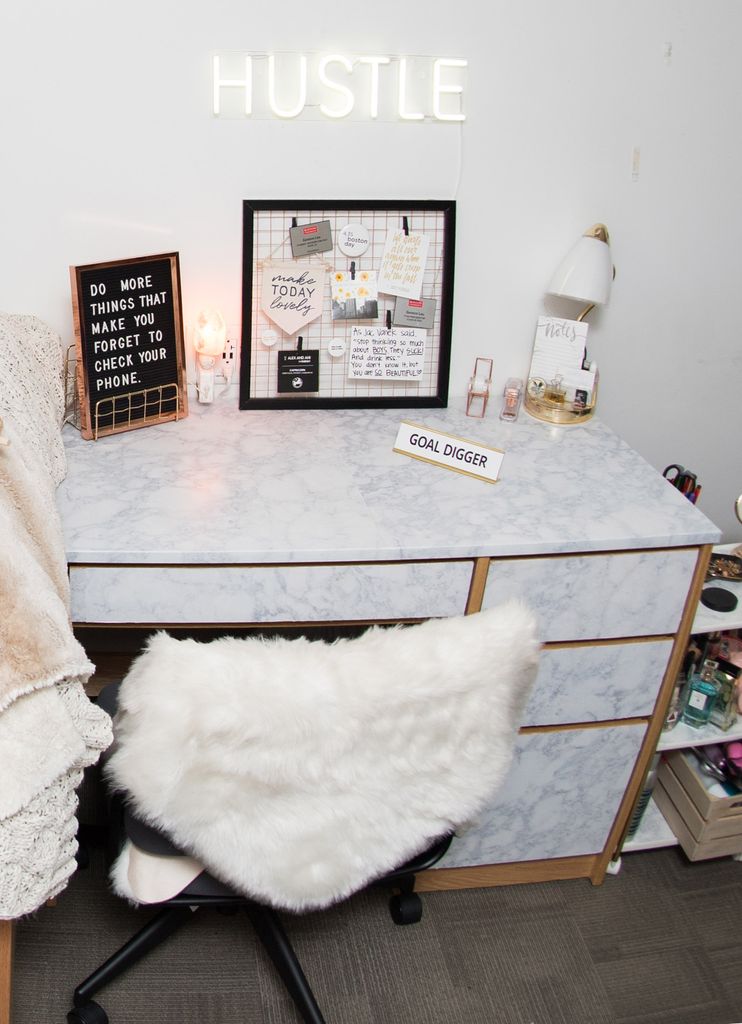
{"x": 231, "y": 486}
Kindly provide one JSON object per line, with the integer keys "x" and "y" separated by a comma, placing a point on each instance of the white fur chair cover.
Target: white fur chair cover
{"x": 298, "y": 771}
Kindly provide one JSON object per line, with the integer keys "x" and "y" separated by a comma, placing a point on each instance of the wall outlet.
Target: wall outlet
{"x": 227, "y": 363}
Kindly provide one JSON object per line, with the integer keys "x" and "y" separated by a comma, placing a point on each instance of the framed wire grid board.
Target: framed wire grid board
{"x": 346, "y": 303}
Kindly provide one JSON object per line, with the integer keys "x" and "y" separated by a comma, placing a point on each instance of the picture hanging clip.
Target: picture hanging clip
{"x": 352, "y": 270}
{"x": 293, "y": 222}
{"x": 299, "y": 343}
{"x": 389, "y": 319}
{"x": 405, "y": 226}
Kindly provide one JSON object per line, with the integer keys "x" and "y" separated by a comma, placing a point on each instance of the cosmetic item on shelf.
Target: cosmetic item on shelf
{"x": 724, "y": 708}
{"x": 718, "y": 599}
{"x": 675, "y": 709}
{"x": 644, "y": 798}
{"x": 700, "y": 695}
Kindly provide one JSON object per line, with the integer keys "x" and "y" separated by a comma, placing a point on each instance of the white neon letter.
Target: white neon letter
{"x": 405, "y": 115}
{"x": 233, "y": 83}
{"x": 438, "y": 89}
{"x": 373, "y": 107}
{"x": 296, "y": 110}
{"x": 347, "y": 106}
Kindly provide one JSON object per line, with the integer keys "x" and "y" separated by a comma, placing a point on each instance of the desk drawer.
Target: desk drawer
{"x": 590, "y": 597}
{"x": 268, "y": 593}
{"x": 598, "y": 683}
{"x": 559, "y": 799}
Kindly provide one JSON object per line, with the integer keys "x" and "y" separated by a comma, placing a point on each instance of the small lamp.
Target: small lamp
{"x": 586, "y": 272}
{"x": 585, "y": 275}
{"x": 209, "y": 339}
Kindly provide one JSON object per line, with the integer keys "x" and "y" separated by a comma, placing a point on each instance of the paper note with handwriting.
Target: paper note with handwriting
{"x": 403, "y": 264}
{"x": 380, "y": 353}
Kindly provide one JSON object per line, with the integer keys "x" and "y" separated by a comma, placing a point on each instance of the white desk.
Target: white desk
{"x": 250, "y": 518}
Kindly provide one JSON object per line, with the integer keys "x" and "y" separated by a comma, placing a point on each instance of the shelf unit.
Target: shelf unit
{"x": 654, "y": 832}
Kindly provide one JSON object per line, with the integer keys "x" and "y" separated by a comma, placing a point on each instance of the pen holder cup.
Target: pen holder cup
{"x": 546, "y": 403}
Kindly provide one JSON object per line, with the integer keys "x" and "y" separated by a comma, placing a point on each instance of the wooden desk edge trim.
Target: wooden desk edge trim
{"x": 618, "y": 832}
{"x": 488, "y": 875}
{"x": 6, "y": 969}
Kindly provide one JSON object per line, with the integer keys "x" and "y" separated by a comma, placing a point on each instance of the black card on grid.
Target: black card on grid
{"x": 298, "y": 372}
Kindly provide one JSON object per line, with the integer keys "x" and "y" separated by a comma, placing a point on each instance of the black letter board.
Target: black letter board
{"x": 129, "y": 339}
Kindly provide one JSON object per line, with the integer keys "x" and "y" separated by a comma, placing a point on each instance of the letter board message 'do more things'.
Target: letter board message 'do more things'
{"x": 129, "y": 341}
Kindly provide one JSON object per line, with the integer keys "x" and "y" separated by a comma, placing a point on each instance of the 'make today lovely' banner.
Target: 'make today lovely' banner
{"x": 291, "y": 294}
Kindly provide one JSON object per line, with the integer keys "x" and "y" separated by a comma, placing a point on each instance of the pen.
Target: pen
{"x": 694, "y": 496}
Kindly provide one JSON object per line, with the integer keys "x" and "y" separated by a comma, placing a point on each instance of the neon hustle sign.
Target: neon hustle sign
{"x": 336, "y": 86}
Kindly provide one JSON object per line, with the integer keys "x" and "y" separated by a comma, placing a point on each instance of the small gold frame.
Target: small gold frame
{"x": 479, "y": 386}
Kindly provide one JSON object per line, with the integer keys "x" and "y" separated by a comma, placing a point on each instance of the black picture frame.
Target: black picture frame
{"x": 259, "y": 244}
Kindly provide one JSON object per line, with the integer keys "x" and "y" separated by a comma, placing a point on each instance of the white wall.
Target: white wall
{"x": 110, "y": 151}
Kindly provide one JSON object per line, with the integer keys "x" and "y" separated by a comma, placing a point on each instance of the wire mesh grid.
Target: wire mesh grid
{"x": 271, "y": 243}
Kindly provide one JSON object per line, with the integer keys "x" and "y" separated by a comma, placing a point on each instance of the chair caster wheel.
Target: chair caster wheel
{"x": 406, "y": 908}
{"x": 88, "y": 1013}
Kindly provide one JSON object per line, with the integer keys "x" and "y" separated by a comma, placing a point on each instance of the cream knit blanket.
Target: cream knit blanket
{"x": 49, "y": 731}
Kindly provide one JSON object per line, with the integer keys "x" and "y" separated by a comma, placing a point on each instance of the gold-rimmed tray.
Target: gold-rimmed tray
{"x": 724, "y": 567}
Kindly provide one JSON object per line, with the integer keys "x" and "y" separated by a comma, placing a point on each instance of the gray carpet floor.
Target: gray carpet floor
{"x": 660, "y": 943}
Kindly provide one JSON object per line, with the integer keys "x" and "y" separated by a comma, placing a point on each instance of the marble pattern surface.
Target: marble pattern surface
{"x": 597, "y": 684}
{"x": 597, "y": 596}
{"x": 225, "y": 485}
{"x": 295, "y": 593}
{"x": 559, "y": 799}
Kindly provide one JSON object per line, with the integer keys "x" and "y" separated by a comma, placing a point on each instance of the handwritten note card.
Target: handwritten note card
{"x": 378, "y": 353}
{"x": 403, "y": 264}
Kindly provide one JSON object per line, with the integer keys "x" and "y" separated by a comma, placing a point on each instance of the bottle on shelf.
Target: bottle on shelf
{"x": 724, "y": 711}
{"x": 700, "y": 695}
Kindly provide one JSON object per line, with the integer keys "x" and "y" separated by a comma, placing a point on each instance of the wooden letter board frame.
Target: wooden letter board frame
{"x": 129, "y": 374}
{"x": 266, "y": 226}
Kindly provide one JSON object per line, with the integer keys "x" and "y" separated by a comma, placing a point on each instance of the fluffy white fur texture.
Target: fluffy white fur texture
{"x": 299, "y": 771}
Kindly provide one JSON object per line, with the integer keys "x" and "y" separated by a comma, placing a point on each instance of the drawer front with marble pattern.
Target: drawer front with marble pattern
{"x": 266, "y": 593}
{"x": 599, "y": 683}
{"x": 559, "y": 799}
{"x": 590, "y": 597}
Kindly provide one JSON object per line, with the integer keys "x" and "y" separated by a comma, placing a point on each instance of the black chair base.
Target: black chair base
{"x": 170, "y": 919}
{"x": 405, "y": 907}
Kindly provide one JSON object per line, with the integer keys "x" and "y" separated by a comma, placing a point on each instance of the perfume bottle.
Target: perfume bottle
{"x": 700, "y": 695}
{"x": 724, "y": 710}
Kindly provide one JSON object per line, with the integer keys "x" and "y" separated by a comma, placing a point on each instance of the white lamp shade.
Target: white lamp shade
{"x": 586, "y": 272}
{"x": 210, "y": 334}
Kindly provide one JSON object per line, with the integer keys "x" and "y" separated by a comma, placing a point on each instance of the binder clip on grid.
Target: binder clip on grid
{"x": 479, "y": 387}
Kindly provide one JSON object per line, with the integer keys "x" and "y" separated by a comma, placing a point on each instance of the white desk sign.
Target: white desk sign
{"x": 449, "y": 451}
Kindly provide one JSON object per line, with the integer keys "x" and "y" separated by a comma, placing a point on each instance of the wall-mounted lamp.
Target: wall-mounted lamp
{"x": 586, "y": 272}
{"x": 209, "y": 339}
{"x": 585, "y": 275}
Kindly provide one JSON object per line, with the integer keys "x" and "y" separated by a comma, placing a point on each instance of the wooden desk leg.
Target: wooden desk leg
{"x": 6, "y": 968}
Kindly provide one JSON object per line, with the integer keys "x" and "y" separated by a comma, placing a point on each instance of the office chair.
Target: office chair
{"x": 468, "y": 676}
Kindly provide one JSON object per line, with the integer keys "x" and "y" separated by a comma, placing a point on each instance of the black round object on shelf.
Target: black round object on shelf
{"x": 718, "y": 599}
